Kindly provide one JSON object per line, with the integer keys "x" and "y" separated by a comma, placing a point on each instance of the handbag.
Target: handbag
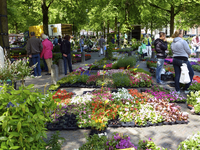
{"x": 184, "y": 78}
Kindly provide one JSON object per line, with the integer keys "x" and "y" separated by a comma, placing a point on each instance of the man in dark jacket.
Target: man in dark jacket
{"x": 65, "y": 49}
{"x": 34, "y": 48}
{"x": 59, "y": 40}
{"x": 161, "y": 47}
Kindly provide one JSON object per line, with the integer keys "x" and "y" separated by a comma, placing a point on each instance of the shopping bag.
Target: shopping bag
{"x": 185, "y": 77}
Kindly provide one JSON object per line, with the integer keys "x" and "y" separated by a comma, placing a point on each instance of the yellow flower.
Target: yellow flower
{"x": 73, "y": 54}
{"x": 106, "y": 101}
{"x": 86, "y": 64}
{"x": 104, "y": 66}
{"x": 96, "y": 121}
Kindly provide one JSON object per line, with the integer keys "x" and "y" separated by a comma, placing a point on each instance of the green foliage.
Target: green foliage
{"x": 192, "y": 99}
{"x": 148, "y": 144}
{"x": 192, "y": 142}
{"x": 121, "y": 80}
{"x": 196, "y": 67}
{"x": 54, "y": 87}
{"x": 195, "y": 87}
{"x": 56, "y": 57}
{"x": 56, "y": 48}
{"x": 126, "y": 61}
{"x": 151, "y": 64}
{"x": 23, "y": 126}
{"x": 140, "y": 70}
{"x": 94, "y": 142}
{"x": 109, "y": 50}
{"x": 55, "y": 143}
{"x": 73, "y": 79}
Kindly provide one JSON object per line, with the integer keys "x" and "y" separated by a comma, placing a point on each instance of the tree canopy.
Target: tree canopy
{"x": 97, "y": 15}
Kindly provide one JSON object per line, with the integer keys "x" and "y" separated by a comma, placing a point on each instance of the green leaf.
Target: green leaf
{"x": 19, "y": 126}
{"x": 37, "y": 136}
{"x": 3, "y": 138}
{"x": 30, "y": 139}
{"x": 15, "y": 92}
{"x": 27, "y": 92}
{"x": 2, "y": 117}
{"x": 16, "y": 134}
{"x": 14, "y": 147}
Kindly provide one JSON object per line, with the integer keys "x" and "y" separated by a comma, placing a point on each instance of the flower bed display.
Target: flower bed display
{"x": 112, "y": 78}
{"x": 101, "y": 108}
{"x": 168, "y": 95}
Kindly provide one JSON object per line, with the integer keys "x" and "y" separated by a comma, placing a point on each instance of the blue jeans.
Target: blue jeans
{"x": 67, "y": 60}
{"x": 82, "y": 48}
{"x": 160, "y": 64}
{"x": 37, "y": 69}
{"x": 177, "y": 63}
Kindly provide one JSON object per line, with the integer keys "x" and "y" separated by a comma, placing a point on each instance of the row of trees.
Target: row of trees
{"x": 97, "y": 15}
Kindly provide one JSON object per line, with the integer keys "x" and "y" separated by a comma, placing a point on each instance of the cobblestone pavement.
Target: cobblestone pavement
{"x": 168, "y": 136}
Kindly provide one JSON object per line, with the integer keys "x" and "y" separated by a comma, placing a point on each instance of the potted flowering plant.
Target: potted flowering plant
{"x": 148, "y": 144}
{"x": 119, "y": 141}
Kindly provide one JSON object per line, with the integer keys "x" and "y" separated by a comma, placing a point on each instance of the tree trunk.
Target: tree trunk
{"x": 172, "y": 20}
{"x": 16, "y": 28}
{"x": 108, "y": 26}
{"x": 4, "y": 40}
{"x": 115, "y": 24}
{"x": 104, "y": 29}
{"x": 151, "y": 28}
{"x": 97, "y": 34}
{"x": 45, "y": 18}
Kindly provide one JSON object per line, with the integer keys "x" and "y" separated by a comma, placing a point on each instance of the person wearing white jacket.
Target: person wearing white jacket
{"x": 181, "y": 52}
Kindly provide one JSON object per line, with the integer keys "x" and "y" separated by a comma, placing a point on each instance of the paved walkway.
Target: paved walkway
{"x": 166, "y": 136}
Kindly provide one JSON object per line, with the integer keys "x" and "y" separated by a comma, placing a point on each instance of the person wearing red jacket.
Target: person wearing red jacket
{"x": 47, "y": 52}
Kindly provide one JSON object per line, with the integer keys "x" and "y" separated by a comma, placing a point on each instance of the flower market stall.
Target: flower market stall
{"x": 102, "y": 108}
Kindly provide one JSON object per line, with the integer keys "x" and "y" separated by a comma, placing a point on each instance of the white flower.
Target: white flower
{"x": 198, "y": 100}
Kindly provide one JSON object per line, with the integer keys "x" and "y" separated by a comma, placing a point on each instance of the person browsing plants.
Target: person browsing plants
{"x": 181, "y": 51}
{"x": 65, "y": 49}
{"x": 160, "y": 47}
{"x": 47, "y": 52}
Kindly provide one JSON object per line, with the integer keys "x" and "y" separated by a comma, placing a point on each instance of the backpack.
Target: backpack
{"x": 63, "y": 47}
